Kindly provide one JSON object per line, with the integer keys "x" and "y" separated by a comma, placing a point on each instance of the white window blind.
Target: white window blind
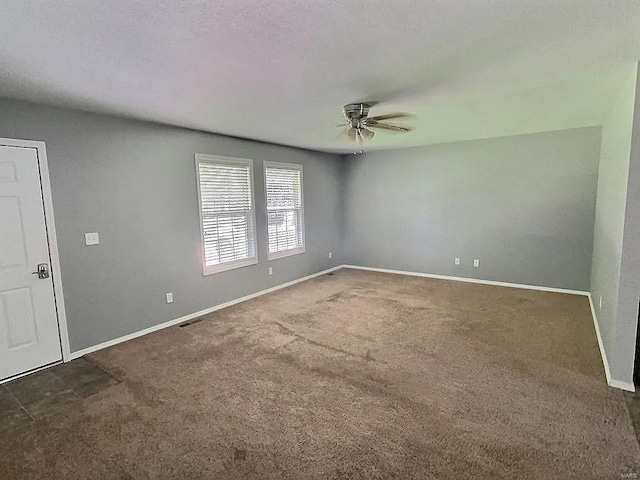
{"x": 285, "y": 209}
{"x": 227, "y": 213}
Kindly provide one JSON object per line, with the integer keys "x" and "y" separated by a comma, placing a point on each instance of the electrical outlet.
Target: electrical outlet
{"x": 330, "y": 255}
{"x": 91, "y": 238}
{"x": 476, "y": 262}
{"x": 270, "y": 270}
{"x": 170, "y": 297}
{"x": 457, "y": 261}
{"x": 600, "y": 302}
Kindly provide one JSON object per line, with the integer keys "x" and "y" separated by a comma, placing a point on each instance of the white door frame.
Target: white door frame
{"x": 51, "y": 237}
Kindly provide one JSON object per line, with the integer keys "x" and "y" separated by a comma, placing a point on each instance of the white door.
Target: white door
{"x": 29, "y": 336}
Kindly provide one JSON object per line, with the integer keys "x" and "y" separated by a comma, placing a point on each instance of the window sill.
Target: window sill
{"x": 213, "y": 269}
{"x": 284, "y": 253}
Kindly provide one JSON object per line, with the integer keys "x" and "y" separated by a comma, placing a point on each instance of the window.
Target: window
{"x": 285, "y": 212}
{"x": 227, "y": 214}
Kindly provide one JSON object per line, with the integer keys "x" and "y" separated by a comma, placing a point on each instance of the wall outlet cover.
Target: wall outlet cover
{"x": 330, "y": 254}
{"x": 456, "y": 261}
{"x": 270, "y": 270}
{"x": 170, "y": 297}
{"x": 476, "y": 262}
{"x": 91, "y": 238}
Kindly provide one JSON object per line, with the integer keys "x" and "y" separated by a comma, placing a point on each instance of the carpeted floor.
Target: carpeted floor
{"x": 356, "y": 375}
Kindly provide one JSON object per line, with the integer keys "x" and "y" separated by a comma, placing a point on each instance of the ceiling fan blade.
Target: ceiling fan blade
{"x": 359, "y": 138}
{"x": 388, "y": 126}
{"x": 366, "y": 134}
{"x": 389, "y": 116}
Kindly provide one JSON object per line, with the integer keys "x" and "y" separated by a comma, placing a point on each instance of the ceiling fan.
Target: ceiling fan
{"x": 359, "y": 124}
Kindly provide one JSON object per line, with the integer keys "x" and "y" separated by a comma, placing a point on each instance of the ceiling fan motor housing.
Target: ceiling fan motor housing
{"x": 354, "y": 113}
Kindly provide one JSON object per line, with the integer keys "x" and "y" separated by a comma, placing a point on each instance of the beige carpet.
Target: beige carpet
{"x": 356, "y": 375}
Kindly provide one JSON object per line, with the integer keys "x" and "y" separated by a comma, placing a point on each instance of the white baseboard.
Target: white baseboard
{"x": 630, "y": 387}
{"x": 471, "y": 280}
{"x": 596, "y": 326}
{"x": 191, "y": 316}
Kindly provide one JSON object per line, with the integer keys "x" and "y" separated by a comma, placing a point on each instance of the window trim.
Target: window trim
{"x": 245, "y": 262}
{"x": 284, "y": 166}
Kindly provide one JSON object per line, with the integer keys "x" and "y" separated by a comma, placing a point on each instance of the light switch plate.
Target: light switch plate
{"x": 91, "y": 238}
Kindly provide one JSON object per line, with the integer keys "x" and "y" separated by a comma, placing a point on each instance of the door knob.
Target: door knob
{"x": 42, "y": 270}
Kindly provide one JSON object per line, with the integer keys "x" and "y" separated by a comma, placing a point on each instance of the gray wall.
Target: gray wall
{"x": 616, "y": 254}
{"x": 523, "y": 205}
{"x": 134, "y": 183}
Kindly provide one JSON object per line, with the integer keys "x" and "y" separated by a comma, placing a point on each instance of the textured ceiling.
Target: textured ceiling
{"x": 280, "y": 70}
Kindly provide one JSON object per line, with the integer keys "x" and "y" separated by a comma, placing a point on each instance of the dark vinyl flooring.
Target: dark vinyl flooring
{"x": 41, "y": 394}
